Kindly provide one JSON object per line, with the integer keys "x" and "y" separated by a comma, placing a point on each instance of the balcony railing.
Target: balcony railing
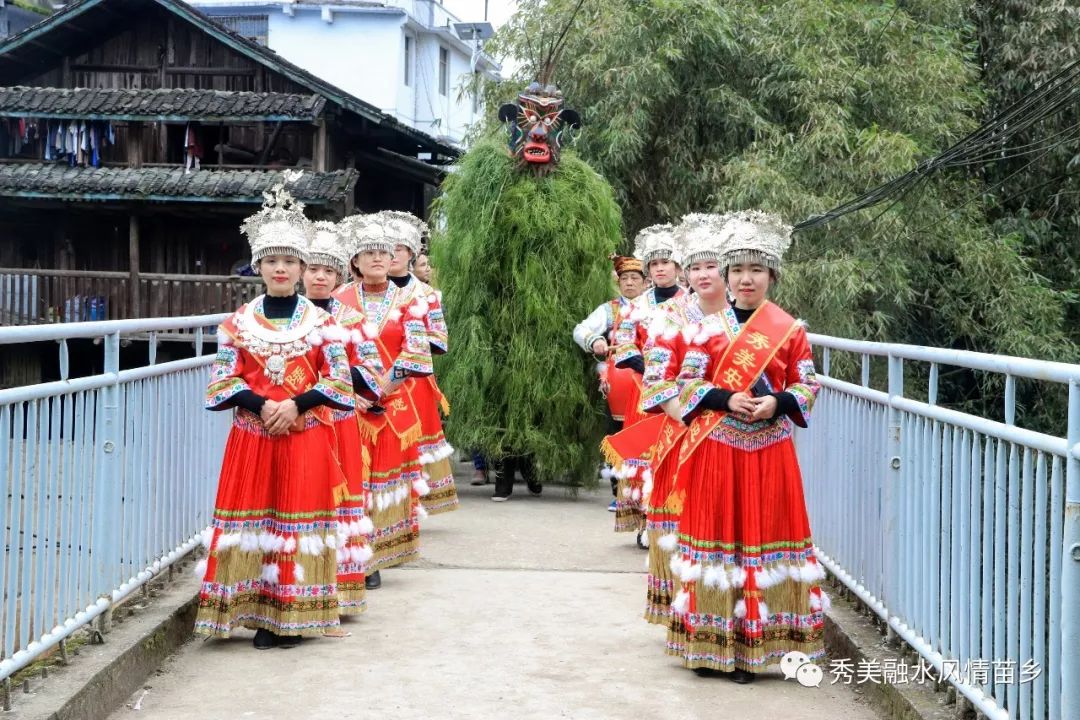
{"x": 36, "y": 296}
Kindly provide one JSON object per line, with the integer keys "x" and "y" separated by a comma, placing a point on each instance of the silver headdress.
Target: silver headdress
{"x": 405, "y": 229}
{"x": 753, "y": 236}
{"x": 365, "y": 232}
{"x": 700, "y": 236}
{"x": 656, "y": 242}
{"x": 279, "y": 227}
{"x": 326, "y": 247}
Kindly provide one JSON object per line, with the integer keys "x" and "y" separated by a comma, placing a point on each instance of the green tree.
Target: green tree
{"x": 1035, "y": 193}
{"x": 794, "y": 107}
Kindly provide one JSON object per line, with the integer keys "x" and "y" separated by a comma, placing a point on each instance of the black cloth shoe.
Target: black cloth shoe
{"x": 535, "y": 487}
{"x": 288, "y": 641}
{"x": 741, "y": 677}
{"x": 264, "y": 639}
{"x": 373, "y": 581}
{"x": 707, "y": 672}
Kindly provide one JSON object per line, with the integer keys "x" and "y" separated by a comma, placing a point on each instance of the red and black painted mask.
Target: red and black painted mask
{"x": 539, "y": 126}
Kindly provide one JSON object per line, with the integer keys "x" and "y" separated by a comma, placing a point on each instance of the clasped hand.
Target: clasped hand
{"x": 758, "y": 408}
{"x": 278, "y": 417}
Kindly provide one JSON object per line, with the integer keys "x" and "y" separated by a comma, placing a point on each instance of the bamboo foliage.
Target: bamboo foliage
{"x": 521, "y": 260}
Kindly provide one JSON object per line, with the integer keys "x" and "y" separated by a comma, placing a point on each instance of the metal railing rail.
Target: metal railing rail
{"x": 960, "y": 532}
{"x": 105, "y": 481}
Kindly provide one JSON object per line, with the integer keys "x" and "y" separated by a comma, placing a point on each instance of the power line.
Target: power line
{"x": 984, "y": 145}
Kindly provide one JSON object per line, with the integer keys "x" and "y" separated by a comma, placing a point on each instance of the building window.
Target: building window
{"x": 444, "y": 71}
{"x": 408, "y": 60}
{"x": 252, "y": 27}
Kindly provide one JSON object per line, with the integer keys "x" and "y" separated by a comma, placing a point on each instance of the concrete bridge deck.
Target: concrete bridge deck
{"x": 525, "y": 609}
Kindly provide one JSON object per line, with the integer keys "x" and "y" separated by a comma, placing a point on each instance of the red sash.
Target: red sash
{"x": 742, "y": 363}
{"x": 400, "y": 408}
{"x": 649, "y": 440}
{"x": 443, "y": 403}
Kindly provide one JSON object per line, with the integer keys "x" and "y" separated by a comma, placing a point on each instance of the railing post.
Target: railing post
{"x": 893, "y": 470}
{"x": 107, "y": 478}
{"x": 1070, "y": 567}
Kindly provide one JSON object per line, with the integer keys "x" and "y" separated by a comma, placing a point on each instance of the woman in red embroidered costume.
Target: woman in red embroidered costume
{"x": 391, "y": 429}
{"x": 596, "y": 334}
{"x": 407, "y": 233}
{"x": 673, "y": 327}
{"x": 656, "y": 247}
{"x": 272, "y": 563}
{"x": 326, "y": 263}
{"x": 748, "y": 581}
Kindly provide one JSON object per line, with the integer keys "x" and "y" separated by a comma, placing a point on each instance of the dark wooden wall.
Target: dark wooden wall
{"x": 158, "y": 49}
{"x": 206, "y": 244}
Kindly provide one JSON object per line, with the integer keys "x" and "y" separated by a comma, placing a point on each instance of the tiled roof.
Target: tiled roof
{"x": 176, "y": 104}
{"x": 39, "y": 44}
{"x": 46, "y": 180}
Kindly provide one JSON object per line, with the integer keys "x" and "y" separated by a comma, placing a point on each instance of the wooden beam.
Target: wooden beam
{"x": 87, "y": 67}
{"x": 230, "y": 71}
{"x": 45, "y": 47}
{"x": 269, "y": 146}
{"x": 319, "y": 162}
{"x": 135, "y": 144}
{"x": 163, "y": 142}
{"x": 134, "y": 232}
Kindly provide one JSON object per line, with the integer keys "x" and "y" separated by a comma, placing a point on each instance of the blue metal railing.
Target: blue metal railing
{"x": 960, "y": 532}
{"x": 104, "y": 480}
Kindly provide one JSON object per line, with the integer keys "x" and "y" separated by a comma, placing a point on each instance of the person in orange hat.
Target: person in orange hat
{"x": 594, "y": 335}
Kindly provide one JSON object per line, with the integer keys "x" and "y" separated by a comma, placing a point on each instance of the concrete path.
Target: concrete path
{"x": 524, "y": 609}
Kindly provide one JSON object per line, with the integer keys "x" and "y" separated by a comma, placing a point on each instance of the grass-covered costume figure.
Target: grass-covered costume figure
{"x": 523, "y": 258}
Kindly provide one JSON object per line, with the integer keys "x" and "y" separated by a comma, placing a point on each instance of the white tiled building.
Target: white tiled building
{"x": 408, "y": 57}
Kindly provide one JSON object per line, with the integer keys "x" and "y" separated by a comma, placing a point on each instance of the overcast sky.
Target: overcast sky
{"x": 499, "y": 11}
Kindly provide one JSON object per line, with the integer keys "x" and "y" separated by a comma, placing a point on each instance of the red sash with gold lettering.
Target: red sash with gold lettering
{"x": 742, "y": 363}
{"x": 400, "y": 408}
{"x": 650, "y": 440}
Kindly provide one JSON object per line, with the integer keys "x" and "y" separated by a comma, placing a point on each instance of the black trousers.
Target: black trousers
{"x": 505, "y": 469}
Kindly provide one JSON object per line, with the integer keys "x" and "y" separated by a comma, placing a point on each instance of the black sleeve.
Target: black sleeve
{"x": 786, "y": 405}
{"x": 246, "y": 399}
{"x": 360, "y": 387}
{"x": 716, "y": 399}
{"x": 636, "y": 363}
{"x": 312, "y": 399}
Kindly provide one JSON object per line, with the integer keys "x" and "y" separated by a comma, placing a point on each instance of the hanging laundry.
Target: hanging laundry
{"x": 84, "y": 144}
{"x": 71, "y": 142}
{"x": 192, "y": 149}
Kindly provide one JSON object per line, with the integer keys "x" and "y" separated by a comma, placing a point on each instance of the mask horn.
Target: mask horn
{"x": 508, "y": 112}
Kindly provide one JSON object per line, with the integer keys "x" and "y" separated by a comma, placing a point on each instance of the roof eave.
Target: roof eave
{"x": 122, "y": 117}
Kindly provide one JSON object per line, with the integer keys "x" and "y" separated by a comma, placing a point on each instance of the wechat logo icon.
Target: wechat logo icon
{"x": 797, "y": 665}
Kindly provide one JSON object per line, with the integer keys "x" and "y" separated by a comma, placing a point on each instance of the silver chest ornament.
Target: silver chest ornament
{"x": 275, "y": 347}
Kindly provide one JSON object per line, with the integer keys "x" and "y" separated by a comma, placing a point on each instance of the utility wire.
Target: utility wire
{"x": 986, "y": 144}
